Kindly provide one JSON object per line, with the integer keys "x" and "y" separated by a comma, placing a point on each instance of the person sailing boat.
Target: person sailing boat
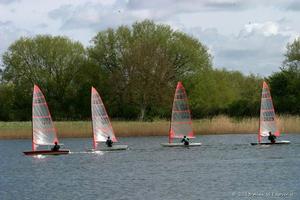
{"x": 272, "y": 138}
{"x": 109, "y": 142}
{"x": 55, "y": 147}
{"x": 185, "y": 140}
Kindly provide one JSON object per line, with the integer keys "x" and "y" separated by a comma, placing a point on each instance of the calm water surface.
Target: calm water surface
{"x": 225, "y": 167}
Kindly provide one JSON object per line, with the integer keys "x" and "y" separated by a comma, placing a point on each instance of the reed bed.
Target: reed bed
{"x": 215, "y": 125}
{"x": 226, "y": 125}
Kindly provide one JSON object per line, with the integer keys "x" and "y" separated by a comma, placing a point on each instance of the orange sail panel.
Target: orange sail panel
{"x": 43, "y": 130}
{"x": 102, "y": 127}
{"x": 181, "y": 122}
{"x": 267, "y": 114}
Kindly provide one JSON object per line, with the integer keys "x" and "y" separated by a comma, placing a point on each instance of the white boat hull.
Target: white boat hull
{"x": 192, "y": 144}
{"x": 269, "y": 143}
{"x": 113, "y": 148}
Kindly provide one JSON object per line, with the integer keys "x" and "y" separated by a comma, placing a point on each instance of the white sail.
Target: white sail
{"x": 267, "y": 114}
{"x": 101, "y": 124}
{"x": 181, "y": 122}
{"x": 43, "y": 130}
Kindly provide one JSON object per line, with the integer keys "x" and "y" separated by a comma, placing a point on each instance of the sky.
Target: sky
{"x": 245, "y": 35}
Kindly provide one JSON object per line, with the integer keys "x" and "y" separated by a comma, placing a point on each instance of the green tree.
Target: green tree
{"x": 247, "y": 102}
{"x": 224, "y": 92}
{"x": 143, "y": 64}
{"x": 292, "y": 56}
{"x": 286, "y": 83}
{"x": 6, "y": 102}
{"x": 51, "y": 62}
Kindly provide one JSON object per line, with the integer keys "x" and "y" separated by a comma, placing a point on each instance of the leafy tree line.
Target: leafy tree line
{"x": 135, "y": 69}
{"x": 286, "y": 83}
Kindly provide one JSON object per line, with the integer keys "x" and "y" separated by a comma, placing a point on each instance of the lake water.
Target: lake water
{"x": 225, "y": 167}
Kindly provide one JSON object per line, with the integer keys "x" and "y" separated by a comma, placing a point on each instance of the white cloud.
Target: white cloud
{"x": 8, "y": 1}
{"x": 9, "y": 33}
{"x": 267, "y": 28}
{"x": 91, "y": 15}
{"x": 175, "y": 6}
{"x": 293, "y": 6}
{"x": 258, "y": 48}
{"x": 246, "y": 35}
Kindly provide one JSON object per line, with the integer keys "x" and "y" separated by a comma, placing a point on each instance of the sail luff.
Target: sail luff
{"x": 32, "y": 136}
{"x": 33, "y": 146}
{"x": 94, "y": 136}
{"x": 260, "y": 117}
{"x": 170, "y": 129}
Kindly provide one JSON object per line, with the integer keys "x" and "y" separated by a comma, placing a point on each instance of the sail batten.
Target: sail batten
{"x": 267, "y": 114}
{"x": 102, "y": 127}
{"x": 43, "y": 130}
{"x": 181, "y": 122}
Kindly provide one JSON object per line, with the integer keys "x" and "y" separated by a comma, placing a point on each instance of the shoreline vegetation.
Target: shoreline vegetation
{"x": 212, "y": 126}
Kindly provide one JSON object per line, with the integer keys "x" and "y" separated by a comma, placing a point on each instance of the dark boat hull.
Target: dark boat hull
{"x": 46, "y": 152}
{"x": 269, "y": 143}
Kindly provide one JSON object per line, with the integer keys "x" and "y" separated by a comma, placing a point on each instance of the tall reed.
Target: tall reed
{"x": 215, "y": 125}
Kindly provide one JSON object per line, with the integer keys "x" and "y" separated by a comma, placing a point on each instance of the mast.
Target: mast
{"x": 32, "y": 141}
{"x": 94, "y": 138}
{"x": 260, "y": 115}
{"x": 170, "y": 129}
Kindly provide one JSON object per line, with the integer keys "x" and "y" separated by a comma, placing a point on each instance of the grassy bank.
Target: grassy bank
{"x": 216, "y": 125}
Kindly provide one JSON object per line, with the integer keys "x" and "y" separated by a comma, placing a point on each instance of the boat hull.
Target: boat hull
{"x": 46, "y": 152}
{"x": 269, "y": 143}
{"x": 113, "y": 148}
{"x": 180, "y": 145}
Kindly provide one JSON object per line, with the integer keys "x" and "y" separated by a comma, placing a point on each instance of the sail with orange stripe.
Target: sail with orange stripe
{"x": 102, "y": 127}
{"x": 181, "y": 121}
{"x": 43, "y": 130}
{"x": 267, "y": 122}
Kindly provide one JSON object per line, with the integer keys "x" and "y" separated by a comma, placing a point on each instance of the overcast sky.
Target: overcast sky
{"x": 245, "y": 35}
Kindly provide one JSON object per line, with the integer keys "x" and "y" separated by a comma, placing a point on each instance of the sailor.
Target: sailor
{"x": 185, "y": 140}
{"x": 272, "y": 137}
{"x": 109, "y": 142}
{"x": 55, "y": 147}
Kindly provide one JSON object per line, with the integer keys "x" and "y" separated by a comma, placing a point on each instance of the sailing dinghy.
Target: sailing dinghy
{"x": 181, "y": 122}
{"x": 43, "y": 130}
{"x": 267, "y": 122}
{"x": 102, "y": 127}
